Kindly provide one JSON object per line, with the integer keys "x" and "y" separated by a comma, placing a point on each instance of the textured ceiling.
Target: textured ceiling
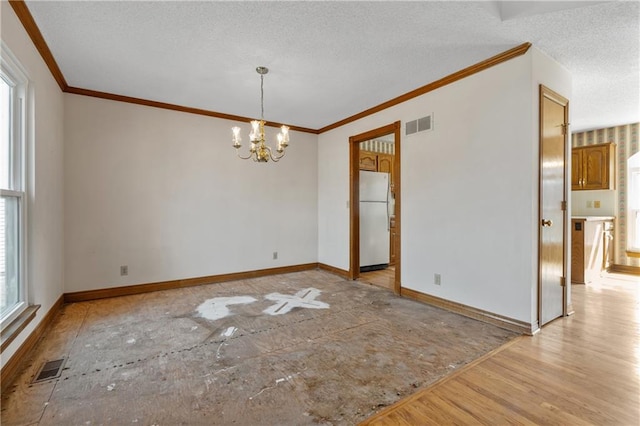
{"x": 330, "y": 60}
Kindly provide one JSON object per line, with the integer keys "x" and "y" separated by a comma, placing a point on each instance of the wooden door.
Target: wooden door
{"x": 552, "y": 215}
{"x": 576, "y": 169}
{"x": 595, "y": 173}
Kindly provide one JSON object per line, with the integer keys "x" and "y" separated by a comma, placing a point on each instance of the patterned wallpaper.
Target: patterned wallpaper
{"x": 374, "y": 145}
{"x": 626, "y": 140}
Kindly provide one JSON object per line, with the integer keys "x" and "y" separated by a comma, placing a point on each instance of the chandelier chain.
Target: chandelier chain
{"x": 262, "y": 97}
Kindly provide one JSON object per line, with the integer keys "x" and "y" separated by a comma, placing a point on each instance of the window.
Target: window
{"x": 13, "y": 286}
{"x": 633, "y": 218}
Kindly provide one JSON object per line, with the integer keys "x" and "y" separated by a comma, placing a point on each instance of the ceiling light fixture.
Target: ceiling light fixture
{"x": 259, "y": 151}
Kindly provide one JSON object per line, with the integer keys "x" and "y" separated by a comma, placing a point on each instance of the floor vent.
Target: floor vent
{"x": 49, "y": 370}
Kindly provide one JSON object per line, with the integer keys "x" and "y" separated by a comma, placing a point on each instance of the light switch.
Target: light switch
{"x": 589, "y": 204}
{"x": 596, "y": 204}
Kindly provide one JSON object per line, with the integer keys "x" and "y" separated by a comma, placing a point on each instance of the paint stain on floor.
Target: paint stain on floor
{"x": 218, "y": 307}
{"x": 305, "y": 348}
{"x": 305, "y": 298}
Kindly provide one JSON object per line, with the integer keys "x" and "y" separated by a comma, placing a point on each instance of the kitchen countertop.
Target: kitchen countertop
{"x": 592, "y": 218}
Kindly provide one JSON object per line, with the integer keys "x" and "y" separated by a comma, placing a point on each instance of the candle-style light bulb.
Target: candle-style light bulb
{"x": 255, "y": 130}
{"x": 285, "y": 136}
{"x": 280, "y": 139}
{"x": 236, "y": 137}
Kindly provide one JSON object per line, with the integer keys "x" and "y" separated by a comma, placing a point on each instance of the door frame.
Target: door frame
{"x": 545, "y": 92}
{"x": 354, "y": 198}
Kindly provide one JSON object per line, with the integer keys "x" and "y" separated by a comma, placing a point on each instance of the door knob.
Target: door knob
{"x": 547, "y": 222}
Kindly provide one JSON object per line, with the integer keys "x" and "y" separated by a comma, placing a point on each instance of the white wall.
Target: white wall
{"x": 580, "y": 203}
{"x": 163, "y": 192}
{"x": 469, "y": 190}
{"x": 45, "y": 158}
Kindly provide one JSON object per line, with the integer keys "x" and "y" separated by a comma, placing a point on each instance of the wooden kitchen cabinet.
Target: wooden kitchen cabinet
{"x": 593, "y": 167}
{"x": 368, "y": 161}
{"x": 576, "y": 169}
{"x": 392, "y": 242}
{"x": 385, "y": 164}
{"x": 591, "y": 247}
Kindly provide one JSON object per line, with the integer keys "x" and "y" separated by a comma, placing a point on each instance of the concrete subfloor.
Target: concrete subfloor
{"x": 294, "y": 356}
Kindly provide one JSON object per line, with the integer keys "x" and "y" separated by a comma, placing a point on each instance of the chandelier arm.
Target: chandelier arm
{"x": 243, "y": 158}
{"x": 275, "y": 158}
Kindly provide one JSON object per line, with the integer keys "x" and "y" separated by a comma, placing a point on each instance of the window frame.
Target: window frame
{"x": 633, "y": 205}
{"x": 12, "y": 72}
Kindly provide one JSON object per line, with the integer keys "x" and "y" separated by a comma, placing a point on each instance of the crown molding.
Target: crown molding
{"x": 29, "y": 24}
{"x": 174, "y": 107}
{"x": 451, "y": 78}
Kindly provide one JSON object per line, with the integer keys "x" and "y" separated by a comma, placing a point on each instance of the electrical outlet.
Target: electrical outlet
{"x": 275, "y": 255}
{"x": 437, "y": 279}
{"x": 124, "y": 270}
{"x": 596, "y": 204}
{"x": 589, "y": 204}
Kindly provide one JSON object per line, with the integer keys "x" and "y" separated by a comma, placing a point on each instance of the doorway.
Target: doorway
{"x": 354, "y": 203}
{"x": 552, "y": 282}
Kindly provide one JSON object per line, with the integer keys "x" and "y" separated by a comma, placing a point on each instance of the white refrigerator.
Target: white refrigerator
{"x": 375, "y": 205}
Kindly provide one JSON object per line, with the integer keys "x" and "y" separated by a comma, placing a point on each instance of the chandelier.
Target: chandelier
{"x": 259, "y": 151}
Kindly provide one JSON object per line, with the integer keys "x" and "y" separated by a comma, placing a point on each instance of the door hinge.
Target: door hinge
{"x": 563, "y": 281}
{"x": 563, "y": 206}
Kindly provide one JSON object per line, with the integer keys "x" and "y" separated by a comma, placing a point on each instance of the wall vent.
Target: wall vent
{"x": 411, "y": 127}
{"x": 419, "y": 125}
{"x": 49, "y": 370}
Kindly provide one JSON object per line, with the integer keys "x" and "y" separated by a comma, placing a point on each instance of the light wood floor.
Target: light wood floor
{"x": 584, "y": 369}
{"x": 384, "y": 278}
